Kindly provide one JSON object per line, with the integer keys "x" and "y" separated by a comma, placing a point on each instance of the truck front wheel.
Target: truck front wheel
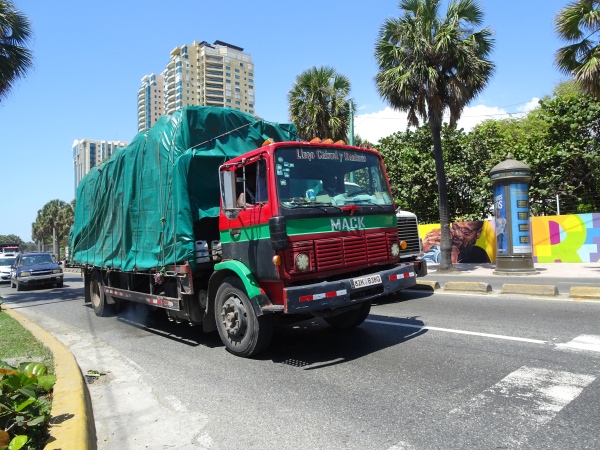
{"x": 350, "y": 319}
{"x": 101, "y": 308}
{"x": 241, "y": 330}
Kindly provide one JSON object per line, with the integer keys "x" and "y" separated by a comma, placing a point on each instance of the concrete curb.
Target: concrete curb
{"x": 546, "y": 290}
{"x": 468, "y": 286}
{"x": 587, "y": 292}
{"x": 426, "y": 285}
{"x": 72, "y": 419}
{"x": 529, "y": 289}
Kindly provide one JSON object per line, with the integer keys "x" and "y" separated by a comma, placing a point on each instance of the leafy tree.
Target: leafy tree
{"x": 411, "y": 169}
{"x": 10, "y": 239}
{"x": 318, "y": 104}
{"x": 15, "y": 58}
{"x": 53, "y": 222}
{"x": 427, "y": 64}
{"x": 577, "y": 23}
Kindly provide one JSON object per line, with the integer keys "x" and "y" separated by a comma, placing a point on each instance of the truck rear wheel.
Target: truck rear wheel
{"x": 241, "y": 330}
{"x": 350, "y": 319}
{"x": 101, "y": 308}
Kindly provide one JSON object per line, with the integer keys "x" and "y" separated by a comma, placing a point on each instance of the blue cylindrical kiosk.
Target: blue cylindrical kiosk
{"x": 510, "y": 181}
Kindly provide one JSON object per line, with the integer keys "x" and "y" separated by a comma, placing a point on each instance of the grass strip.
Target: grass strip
{"x": 18, "y": 345}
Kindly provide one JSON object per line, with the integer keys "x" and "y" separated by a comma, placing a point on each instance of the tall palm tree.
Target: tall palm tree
{"x": 318, "y": 105}
{"x": 429, "y": 64}
{"x": 577, "y": 23}
{"x": 15, "y": 33}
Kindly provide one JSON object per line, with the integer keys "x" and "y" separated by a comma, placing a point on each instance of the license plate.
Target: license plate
{"x": 369, "y": 280}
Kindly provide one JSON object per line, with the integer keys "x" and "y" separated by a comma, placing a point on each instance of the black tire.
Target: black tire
{"x": 350, "y": 319}
{"x": 243, "y": 333}
{"x": 20, "y": 287}
{"x": 59, "y": 284}
{"x": 101, "y": 308}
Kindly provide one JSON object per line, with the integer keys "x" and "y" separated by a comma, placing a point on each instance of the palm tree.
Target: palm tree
{"x": 577, "y": 23}
{"x": 53, "y": 220}
{"x": 15, "y": 59}
{"x": 318, "y": 105}
{"x": 429, "y": 64}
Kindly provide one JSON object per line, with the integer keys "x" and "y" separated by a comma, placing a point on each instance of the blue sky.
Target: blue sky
{"x": 91, "y": 56}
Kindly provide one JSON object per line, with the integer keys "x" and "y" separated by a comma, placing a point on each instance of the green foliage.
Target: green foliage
{"x": 578, "y": 24}
{"x": 24, "y": 405}
{"x": 411, "y": 169}
{"x": 56, "y": 215}
{"x": 15, "y": 34}
{"x": 558, "y": 141}
{"x": 319, "y": 106}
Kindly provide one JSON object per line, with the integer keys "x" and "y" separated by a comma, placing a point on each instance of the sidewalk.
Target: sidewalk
{"x": 581, "y": 280}
{"x": 546, "y": 270}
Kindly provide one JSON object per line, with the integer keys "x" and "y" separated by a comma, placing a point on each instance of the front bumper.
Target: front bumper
{"x": 4, "y": 277}
{"x": 38, "y": 280}
{"x": 330, "y": 295}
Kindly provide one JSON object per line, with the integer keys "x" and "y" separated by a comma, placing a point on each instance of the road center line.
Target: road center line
{"x": 449, "y": 330}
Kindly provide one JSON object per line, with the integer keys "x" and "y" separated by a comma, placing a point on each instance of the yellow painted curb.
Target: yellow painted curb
{"x": 71, "y": 419}
{"x": 468, "y": 286}
{"x": 427, "y": 285}
{"x": 529, "y": 289}
{"x": 584, "y": 292}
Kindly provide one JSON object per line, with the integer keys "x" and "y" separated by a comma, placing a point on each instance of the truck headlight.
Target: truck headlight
{"x": 395, "y": 249}
{"x": 57, "y": 271}
{"x": 302, "y": 262}
{"x": 25, "y": 274}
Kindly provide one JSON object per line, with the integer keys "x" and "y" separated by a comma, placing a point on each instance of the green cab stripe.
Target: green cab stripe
{"x": 312, "y": 226}
{"x": 336, "y": 224}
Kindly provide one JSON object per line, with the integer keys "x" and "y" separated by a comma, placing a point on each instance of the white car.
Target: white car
{"x": 5, "y": 263}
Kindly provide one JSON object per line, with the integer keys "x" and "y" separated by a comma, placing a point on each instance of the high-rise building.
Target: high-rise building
{"x": 220, "y": 74}
{"x": 151, "y": 100}
{"x": 88, "y": 153}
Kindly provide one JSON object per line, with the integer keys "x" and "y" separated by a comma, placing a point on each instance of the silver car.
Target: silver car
{"x": 5, "y": 263}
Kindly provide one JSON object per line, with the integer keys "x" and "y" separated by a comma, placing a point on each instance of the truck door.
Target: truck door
{"x": 246, "y": 237}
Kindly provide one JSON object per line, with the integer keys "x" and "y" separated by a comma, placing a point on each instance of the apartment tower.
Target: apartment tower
{"x": 151, "y": 100}
{"x": 220, "y": 74}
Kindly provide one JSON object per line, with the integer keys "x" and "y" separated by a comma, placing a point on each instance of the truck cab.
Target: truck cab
{"x": 317, "y": 227}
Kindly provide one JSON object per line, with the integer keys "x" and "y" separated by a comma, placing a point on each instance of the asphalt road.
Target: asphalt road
{"x": 425, "y": 371}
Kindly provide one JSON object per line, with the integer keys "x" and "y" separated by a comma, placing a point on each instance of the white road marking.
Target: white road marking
{"x": 584, "y": 342}
{"x": 527, "y": 398}
{"x": 449, "y": 330}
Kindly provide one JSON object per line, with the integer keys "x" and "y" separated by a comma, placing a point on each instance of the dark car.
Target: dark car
{"x": 35, "y": 269}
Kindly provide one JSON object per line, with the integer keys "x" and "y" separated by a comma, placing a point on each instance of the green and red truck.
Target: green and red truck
{"x": 233, "y": 223}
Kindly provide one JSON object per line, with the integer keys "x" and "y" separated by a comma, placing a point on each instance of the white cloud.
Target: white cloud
{"x": 377, "y": 125}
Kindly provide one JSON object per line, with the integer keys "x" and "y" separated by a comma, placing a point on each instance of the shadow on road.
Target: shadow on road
{"x": 313, "y": 344}
{"x": 35, "y": 296}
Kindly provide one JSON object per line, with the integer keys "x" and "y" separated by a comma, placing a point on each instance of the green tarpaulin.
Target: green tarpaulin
{"x": 137, "y": 210}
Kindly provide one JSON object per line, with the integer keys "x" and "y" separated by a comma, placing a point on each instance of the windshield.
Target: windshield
{"x": 36, "y": 259}
{"x": 309, "y": 176}
{"x": 7, "y": 261}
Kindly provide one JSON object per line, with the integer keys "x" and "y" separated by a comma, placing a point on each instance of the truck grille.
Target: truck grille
{"x": 408, "y": 231}
{"x": 335, "y": 253}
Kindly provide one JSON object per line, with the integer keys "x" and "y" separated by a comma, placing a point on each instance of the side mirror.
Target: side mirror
{"x": 228, "y": 198}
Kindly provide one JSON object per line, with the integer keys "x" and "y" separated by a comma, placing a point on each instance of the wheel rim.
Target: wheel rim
{"x": 234, "y": 317}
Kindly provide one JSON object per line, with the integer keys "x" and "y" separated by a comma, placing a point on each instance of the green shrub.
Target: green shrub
{"x": 25, "y": 405}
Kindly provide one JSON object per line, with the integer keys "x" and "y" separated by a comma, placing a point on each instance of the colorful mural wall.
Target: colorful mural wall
{"x": 569, "y": 239}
